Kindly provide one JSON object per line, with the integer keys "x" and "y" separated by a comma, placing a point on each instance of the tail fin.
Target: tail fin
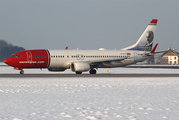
{"x": 145, "y": 41}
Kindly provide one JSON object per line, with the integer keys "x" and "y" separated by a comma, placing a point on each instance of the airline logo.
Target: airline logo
{"x": 30, "y": 62}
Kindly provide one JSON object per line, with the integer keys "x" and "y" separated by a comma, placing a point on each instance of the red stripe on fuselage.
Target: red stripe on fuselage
{"x": 29, "y": 59}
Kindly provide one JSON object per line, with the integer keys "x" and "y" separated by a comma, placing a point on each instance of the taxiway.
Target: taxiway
{"x": 86, "y": 75}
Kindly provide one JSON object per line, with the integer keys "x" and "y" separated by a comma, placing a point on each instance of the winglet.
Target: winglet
{"x": 153, "y": 50}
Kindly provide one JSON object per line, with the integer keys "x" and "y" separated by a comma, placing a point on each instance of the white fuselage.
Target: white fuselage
{"x": 62, "y": 58}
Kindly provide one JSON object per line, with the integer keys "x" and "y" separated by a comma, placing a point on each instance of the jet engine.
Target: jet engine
{"x": 79, "y": 66}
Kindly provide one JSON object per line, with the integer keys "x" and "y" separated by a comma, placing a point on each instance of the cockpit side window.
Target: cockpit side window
{"x": 15, "y": 56}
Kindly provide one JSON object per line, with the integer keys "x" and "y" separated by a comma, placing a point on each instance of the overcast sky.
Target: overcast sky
{"x": 87, "y": 24}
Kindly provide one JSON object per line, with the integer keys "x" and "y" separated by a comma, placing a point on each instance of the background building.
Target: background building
{"x": 171, "y": 57}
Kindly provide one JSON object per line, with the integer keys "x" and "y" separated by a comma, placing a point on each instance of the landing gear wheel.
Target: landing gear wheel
{"x": 21, "y": 72}
{"x": 78, "y": 72}
{"x": 92, "y": 71}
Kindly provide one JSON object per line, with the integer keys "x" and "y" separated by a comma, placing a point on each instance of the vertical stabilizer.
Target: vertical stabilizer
{"x": 145, "y": 41}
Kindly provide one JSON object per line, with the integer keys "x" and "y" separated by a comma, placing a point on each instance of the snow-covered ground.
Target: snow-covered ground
{"x": 8, "y": 69}
{"x": 90, "y": 98}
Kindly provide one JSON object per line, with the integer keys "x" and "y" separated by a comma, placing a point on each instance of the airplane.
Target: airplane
{"x": 86, "y": 60}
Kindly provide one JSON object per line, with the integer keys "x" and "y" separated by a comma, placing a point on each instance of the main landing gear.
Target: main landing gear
{"x": 92, "y": 71}
{"x": 21, "y": 72}
{"x": 78, "y": 72}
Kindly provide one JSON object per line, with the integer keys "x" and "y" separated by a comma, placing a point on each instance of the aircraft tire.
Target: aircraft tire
{"x": 21, "y": 72}
{"x": 78, "y": 72}
{"x": 92, "y": 71}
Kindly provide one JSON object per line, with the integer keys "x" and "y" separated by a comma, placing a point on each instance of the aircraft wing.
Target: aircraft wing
{"x": 160, "y": 52}
{"x": 107, "y": 60}
{"x": 152, "y": 52}
{"x": 97, "y": 62}
{"x": 148, "y": 54}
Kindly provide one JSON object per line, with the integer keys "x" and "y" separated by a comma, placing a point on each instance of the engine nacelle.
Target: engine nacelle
{"x": 79, "y": 67}
{"x": 56, "y": 69}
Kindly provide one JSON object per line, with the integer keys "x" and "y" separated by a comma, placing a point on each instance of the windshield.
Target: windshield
{"x": 15, "y": 56}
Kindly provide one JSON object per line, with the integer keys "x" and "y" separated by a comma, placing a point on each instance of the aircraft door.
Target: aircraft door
{"x": 135, "y": 57}
{"x": 29, "y": 56}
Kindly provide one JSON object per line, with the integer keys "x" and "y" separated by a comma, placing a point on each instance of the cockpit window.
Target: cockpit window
{"x": 15, "y": 56}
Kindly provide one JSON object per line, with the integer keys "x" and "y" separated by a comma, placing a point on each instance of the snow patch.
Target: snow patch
{"x": 17, "y": 119}
{"x": 91, "y": 118}
{"x": 90, "y": 98}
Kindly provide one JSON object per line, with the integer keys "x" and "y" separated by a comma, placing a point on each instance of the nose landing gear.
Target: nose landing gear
{"x": 21, "y": 72}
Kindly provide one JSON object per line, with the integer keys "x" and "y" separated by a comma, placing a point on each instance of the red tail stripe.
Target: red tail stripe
{"x": 154, "y": 21}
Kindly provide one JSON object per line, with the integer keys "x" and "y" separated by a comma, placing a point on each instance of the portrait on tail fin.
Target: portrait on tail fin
{"x": 149, "y": 37}
{"x": 145, "y": 41}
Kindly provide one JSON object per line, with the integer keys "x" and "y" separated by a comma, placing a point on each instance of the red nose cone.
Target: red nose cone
{"x": 7, "y": 61}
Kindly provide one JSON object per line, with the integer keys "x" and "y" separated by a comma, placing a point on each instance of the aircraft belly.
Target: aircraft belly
{"x": 56, "y": 64}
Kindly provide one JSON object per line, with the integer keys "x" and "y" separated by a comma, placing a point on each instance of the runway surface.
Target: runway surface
{"x": 86, "y": 75}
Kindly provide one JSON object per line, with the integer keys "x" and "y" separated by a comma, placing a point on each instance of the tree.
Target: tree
{"x": 7, "y": 50}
